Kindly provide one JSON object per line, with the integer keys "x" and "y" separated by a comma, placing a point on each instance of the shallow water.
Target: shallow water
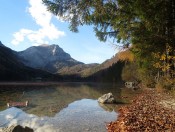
{"x": 62, "y": 107}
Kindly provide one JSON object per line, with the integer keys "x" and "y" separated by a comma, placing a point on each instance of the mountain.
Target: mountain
{"x": 1, "y": 44}
{"x": 54, "y": 59}
{"x": 11, "y": 69}
{"x": 80, "y": 69}
{"x": 85, "y": 70}
{"x": 110, "y": 74}
{"x": 109, "y": 71}
{"x": 35, "y": 61}
{"x": 50, "y": 58}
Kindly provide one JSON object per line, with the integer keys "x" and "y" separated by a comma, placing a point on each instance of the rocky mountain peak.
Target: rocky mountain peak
{"x": 1, "y": 44}
{"x": 44, "y": 45}
{"x": 47, "y": 57}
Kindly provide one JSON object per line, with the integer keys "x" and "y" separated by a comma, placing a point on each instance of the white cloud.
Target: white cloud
{"x": 42, "y": 17}
{"x": 39, "y": 12}
{"x": 19, "y": 36}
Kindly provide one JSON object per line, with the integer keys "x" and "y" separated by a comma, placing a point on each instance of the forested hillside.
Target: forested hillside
{"x": 108, "y": 71}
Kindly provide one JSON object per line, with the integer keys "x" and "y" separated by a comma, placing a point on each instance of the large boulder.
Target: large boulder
{"x": 106, "y": 98}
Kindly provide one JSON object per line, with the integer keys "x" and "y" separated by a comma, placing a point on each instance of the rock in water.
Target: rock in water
{"x": 21, "y": 129}
{"x": 106, "y": 98}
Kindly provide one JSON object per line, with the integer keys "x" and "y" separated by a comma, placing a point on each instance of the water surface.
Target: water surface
{"x": 62, "y": 107}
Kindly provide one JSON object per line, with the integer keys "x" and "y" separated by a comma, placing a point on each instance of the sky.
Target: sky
{"x": 26, "y": 23}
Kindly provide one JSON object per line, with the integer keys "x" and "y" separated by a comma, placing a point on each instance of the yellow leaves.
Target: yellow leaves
{"x": 157, "y": 65}
{"x": 163, "y": 67}
{"x": 163, "y": 57}
{"x": 168, "y": 48}
{"x": 156, "y": 55}
{"x": 167, "y": 67}
{"x": 126, "y": 55}
{"x": 163, "y": 61}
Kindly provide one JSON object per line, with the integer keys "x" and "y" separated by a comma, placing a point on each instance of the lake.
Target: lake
{"x": 61, "y": 107}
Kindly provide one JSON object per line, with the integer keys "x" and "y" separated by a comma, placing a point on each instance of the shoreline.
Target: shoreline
{"x": 21, "y": 83}
{"x": 146, "y": 113}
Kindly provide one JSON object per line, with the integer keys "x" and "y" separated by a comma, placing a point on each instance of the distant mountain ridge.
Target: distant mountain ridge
{"x": 51, "y": 58}
{"x": 35, "y": 61}
{"x": 85, "y": 70}
{"x": 11, "y": 69}
{"x": 54, "y": 59}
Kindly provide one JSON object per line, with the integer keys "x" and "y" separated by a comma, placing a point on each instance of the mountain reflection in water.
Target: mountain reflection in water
{"x": 63, "y": 107}
{"x": 80, "y": 115}
{"x": 48, "y": 100}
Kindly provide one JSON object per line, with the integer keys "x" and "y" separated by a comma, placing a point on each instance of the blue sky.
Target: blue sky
{"x": 26, "y": 23}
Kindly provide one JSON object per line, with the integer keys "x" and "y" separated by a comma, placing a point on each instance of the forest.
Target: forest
{"x": 146, "y": 29}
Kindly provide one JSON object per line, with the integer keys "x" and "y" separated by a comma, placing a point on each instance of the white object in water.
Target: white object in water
{"x": 18, "y": 104}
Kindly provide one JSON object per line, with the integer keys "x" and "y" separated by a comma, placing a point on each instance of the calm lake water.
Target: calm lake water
{"x": 62, "y": 107}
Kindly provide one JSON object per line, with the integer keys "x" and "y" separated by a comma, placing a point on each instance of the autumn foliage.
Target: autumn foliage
{"x": 145, "y": 114}
{"x": 126, "y": 55}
